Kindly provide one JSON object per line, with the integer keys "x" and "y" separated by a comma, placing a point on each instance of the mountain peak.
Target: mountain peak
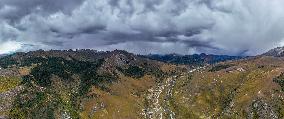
{"x": 276, "y": 52}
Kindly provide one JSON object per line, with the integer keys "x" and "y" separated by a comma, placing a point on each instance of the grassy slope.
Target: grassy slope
{"x": 230, "y": 92}
{"x": 8, "y": 83}
{"x": 126, "y": 99}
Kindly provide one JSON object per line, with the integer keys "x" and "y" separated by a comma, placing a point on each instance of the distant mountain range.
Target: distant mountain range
{"x": 196, "y": 59}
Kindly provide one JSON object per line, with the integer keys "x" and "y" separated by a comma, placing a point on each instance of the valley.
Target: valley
{"x": 158, "y": 100}
{"x": 92, "y": 85}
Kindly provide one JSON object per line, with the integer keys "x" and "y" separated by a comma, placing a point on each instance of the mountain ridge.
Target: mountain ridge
{"x": 276, "y": 52}
{"x": 195, "y": 59}
{"x": 107, "y": 84}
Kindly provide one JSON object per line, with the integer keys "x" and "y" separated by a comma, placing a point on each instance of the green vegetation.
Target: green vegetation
{"x": 52, "y": 100}
{"x": 7, "y": 61}
{"x": 36, "y": 104}
{"x": 280, "y": 80}
{"x": 64, "y": 69}
{"x": 133, "y": 71}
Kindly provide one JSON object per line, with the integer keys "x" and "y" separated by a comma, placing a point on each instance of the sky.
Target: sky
{"x": 232, "y": 27}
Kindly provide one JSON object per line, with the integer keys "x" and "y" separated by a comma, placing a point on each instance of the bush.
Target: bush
{"x": 133, "y": 71}
{"x": 219, "y": 67}
{"x": 64, "y": 69}
{"x": 280, "y": 81}
{"x": 7, "y": 61}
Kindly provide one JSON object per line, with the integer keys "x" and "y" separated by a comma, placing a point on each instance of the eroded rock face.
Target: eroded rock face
{"x": 262, "y": 110}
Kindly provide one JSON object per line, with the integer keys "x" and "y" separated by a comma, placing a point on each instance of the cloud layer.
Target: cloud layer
{"x": 234, "y": 27}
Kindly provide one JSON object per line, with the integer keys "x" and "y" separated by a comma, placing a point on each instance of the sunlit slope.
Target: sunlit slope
{"x": 240, "y": 89}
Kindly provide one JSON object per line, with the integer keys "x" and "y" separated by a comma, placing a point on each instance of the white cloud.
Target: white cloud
{"x": 9, "y": 47}
{"x": 234, "y": 27}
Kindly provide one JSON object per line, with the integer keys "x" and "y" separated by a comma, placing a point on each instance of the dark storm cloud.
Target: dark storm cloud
{"x": 20, "y": 8}
{"x": 243, "y": 27}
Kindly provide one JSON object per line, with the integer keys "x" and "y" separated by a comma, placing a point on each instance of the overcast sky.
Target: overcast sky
{"x": 233, "y": 27}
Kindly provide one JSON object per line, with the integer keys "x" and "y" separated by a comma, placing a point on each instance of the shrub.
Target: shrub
{"x": 280, "y": 81}
{"x": 133, "y": 71}
{"x": 219, "y": 67}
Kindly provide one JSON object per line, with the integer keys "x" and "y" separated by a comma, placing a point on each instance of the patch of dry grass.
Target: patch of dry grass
{"x": 125, "y": 101}
{"x": 8, "y": 83}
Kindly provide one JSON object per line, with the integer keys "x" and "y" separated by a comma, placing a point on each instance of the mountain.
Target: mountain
{"x": 250, "y": 88}
{"x": 196, "y": 59}
{"x": 77, "y": 84}
{"x": 276, "y": 52}
{"x": 116, "y": 84}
